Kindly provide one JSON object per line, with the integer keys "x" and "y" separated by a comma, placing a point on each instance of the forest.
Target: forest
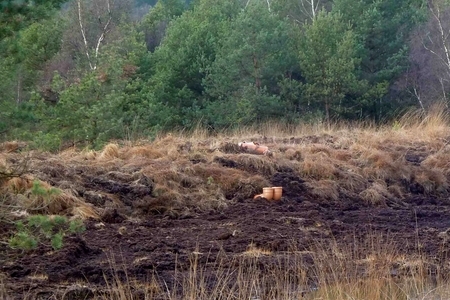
{"x": 85, "y": 72}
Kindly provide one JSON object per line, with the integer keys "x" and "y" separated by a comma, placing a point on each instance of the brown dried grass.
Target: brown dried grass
{"x": 352, "y": 181}
{"x": 318, "y": 148}
{"x": 376, "y": 194}
{"x": 342, "y": 155}
{"x": 233, "y": 183}
{"x": 148, "y": 151}
{"x": 293, "y": 154}
{"x": 396, "y": 191}
{"x": 258, "y": 164}
{"x": 9, "y": 147}
{"x": 247, "y": 188}
{"x": 226, "y": 178}
{"x": 376, "y": 164}
{"x": 254, "y": 251}
{"x": 51, "y": 201}
{"x": 165, "y": 198}
{"x": 318, "y": 166}
{"x": 169, "y": 145}
{"x": 430, "y": 125}
{"x": 54, "y": 202}
{"x": 208, "y": 197}
{"x": 69, "y": 153}
{"x": 18, "y": 185}
{"x": 325, "y": 189}
{"x": 439, "y": 160}
{"x": 432, "y": 180}
{"x": 184, "y": 164}
{"x": 88, "y": 155}
{"x": 109, "y": 152}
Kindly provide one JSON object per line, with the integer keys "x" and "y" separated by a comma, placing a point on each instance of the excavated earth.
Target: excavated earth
{"x": 152, "y": 245}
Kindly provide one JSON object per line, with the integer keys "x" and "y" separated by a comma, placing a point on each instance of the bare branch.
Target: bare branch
{"x": 84, "y": 35}
{"x": 436, "y": 12}
{"x": 311, "y": 8}
{"x": 444, "y": 94}
{"x": 105, "y": 29}
{"x": 93, "y": 62}
{"x": 17, "y": 171}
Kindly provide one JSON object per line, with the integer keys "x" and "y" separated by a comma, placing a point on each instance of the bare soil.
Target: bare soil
{"x": 137, "y": 242}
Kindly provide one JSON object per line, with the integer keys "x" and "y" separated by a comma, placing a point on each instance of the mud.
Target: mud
{"x": 134, "y": 240}
{"x": 161, "y": 245}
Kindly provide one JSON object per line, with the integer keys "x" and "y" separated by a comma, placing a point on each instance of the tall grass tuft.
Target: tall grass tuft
{"x": 370, "y": 268}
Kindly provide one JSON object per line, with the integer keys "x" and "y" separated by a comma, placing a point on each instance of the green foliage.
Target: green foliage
{"x": 39, "y": 42}
{"x": 40, "y": 229}
{"x": 21, "y": 63}
{"x": 79, "y": 112}
{"x": 382, "y": 29}
{"x": 23, "y": 240}
{"x": 24, "y": 54}
{"x": 57, "y": 241}
{"x": 43, "y": 140}
{"x": 241, "y": 83}
{"x": 156, "y": 21}
{"x": 223, "y": 63}
{"x": 329, "y": 62}
{"x": 189, "y": 48}
{"x": 76, "y": 226}
{"x": 38, "y": 190}
{"x": 18, "y": 14}
{"x": 95, "y": 109}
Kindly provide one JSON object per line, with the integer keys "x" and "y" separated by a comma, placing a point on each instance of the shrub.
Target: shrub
{"x": 40, "y": 229}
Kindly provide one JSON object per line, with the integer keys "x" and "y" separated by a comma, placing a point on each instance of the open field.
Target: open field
{"x": 365, "y": 214}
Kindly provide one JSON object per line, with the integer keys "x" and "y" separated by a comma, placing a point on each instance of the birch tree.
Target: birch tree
{"x": 91, "y": 25}
{"x": 428, "y": 77}
{"x": 104, "y": 17}
{"x": 310, "y": 8}
{"x": 382, "y": 29}
{"x": 300, "y": 11}
{"x": 436, "y": 41}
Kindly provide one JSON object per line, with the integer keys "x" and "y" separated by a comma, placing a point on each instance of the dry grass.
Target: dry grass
{"x": 376, "y": 194}
{"x": 36, "y": 196}
{"x": 196, "y": 170}
{"x": 325, "y": 189}
{"x": 255, "y": 164}
{"x": 110, "y": 151}
{"x": 9, "y": 146}
{"x": 140, "y": 152}
{"x": 18, "y": 184}
{"x": 318, "y": 166}
{"x": 432, "y": 180}
{"x": 370, "y": 268}
{"x": 254, "y": 251}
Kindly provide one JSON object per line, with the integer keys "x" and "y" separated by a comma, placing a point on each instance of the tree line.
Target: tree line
{"x": 87, "y": 71}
